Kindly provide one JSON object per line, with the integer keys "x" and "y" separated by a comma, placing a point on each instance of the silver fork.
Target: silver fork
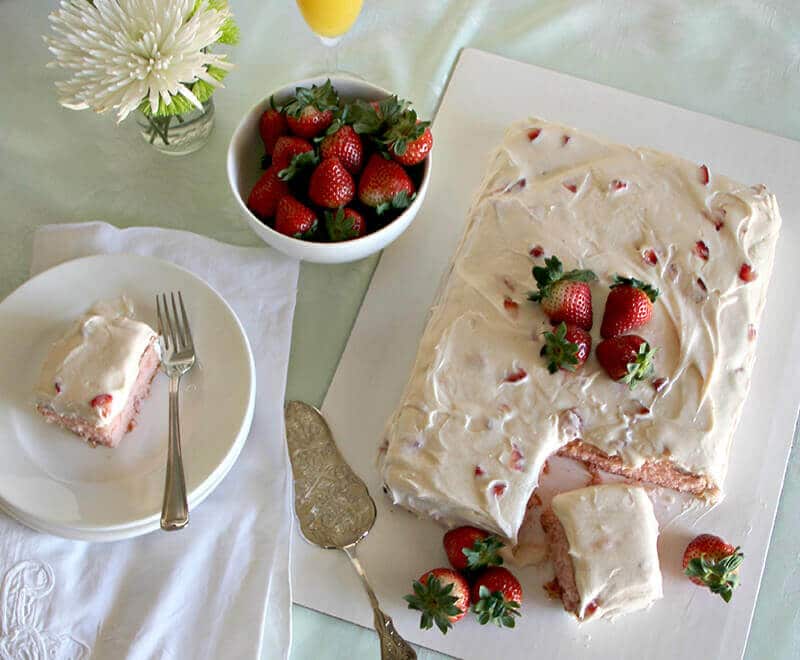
{"x": 177, "y": 357}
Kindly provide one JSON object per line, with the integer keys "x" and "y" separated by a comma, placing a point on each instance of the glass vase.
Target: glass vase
{"x": 178, "y": 135}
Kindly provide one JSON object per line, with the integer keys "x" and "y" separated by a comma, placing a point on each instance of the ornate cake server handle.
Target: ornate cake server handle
{"x": 393, "y": 646}
{"x": 333, "y": 506}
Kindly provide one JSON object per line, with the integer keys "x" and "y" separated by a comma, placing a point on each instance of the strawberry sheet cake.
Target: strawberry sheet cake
{"x": 603, "y": 546}
{"x": 96, "y": 376}
{"x": 482, "y": 412}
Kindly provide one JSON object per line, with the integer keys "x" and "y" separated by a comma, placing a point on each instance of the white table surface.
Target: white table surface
{"x": 736, "y": 59}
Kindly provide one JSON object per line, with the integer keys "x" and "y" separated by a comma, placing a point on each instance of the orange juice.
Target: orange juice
{"x": 330, "y": 18}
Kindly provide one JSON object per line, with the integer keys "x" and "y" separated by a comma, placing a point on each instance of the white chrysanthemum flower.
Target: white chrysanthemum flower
{"x": 121, "y": 52}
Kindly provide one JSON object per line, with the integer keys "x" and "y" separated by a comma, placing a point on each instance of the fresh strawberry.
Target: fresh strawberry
{"x": 711, "y": 562}
{"x": 272, "y": 125}
{"x": 496, "y": 597}
{"x": 629, "y": 306}
{"x": 345, "y": 145}
{"x": 294, "y": 219}
{"x": 344, "y": 224}
{"x": 408, "y": 139}
{"x": 627, "y": 358}
{"x": 373, "y": 118}
{"x": 470, "y": 548}
{"x": 567, "y": 348}
{"x": 331, "y": 185}
{"x": 266, "y": 194}
{"x": 416, "y": 150}
{"x": 442, "y": 595}
{"x": 385, "y": 185}
{"x": 310, "y": 112}
{"x": 309, "y": 122}
{"x": 564, "y": 296}
{"x": 286, "y": 148}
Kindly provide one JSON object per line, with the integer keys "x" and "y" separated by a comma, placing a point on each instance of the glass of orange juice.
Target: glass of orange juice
{"x": 330, "y": 20}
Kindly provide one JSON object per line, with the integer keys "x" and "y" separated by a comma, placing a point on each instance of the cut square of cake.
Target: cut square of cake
{"x": 602, "y": 542}
{"x": 481, "y": 413}
{"x": 96, "y": 376}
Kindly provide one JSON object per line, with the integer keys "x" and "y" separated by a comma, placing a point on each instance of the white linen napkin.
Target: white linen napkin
{"x": 203, "y": 592}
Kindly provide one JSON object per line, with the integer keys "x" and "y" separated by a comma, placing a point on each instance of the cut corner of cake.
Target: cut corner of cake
{"x": 97, "y": 374}
{"x": 603, "y": 545}
{"x": 481, "y": 413}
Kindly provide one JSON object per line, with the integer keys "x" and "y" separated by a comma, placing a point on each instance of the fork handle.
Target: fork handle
{"x": 175, "y": 509}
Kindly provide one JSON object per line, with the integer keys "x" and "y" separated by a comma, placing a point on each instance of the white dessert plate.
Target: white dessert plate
{"x": 51, "y": 480}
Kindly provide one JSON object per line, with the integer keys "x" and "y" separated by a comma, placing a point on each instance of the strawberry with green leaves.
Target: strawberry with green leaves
{"x": 472, "y": 549}
{"x": 442, "y": 596}
{"x": 627, "y": 358}
{"x": 300, "y": 163}
{"x": 344, "y": 224}
{"x": 564, "y": 297}
{"x": 710, "y": 562}
{"x": 311, "y": 111}
{"x": 629, "y": 306}
{"x": 496, "y": 597}
{"x": 372, "y": 118}
{"x": 295, "y": 219}
{"x": 385, "y": 185}
{"x": 287, "y": 147}
{"x": 407, "y": 138}
{"x": 567, "y": 347}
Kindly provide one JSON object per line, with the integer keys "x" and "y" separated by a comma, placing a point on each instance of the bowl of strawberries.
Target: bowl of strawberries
{"x": 330, "y": 170}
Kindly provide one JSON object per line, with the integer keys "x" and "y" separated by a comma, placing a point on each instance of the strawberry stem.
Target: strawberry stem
{"x": 484, "y": 553}
{"x": 300, "y": 162}
{"x": 553, "y": 272}
{"x": 641, "y": 367}
{"x": 558, "y": 352}
{"x": 492, "y": 607}
{"x": 720, "y": 576}
{"x": 436, "y": 603}
{"x": 322, "y": 97}
{"x": 651, "y": 291}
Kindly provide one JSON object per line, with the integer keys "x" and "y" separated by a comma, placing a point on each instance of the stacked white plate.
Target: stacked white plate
{"x": 51, "y": 480}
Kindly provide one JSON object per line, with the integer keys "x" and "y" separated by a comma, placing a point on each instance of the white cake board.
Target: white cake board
{"x": 486, "y": 94}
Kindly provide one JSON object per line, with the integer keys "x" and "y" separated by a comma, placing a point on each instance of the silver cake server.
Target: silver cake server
{"x": 333, "y": 506}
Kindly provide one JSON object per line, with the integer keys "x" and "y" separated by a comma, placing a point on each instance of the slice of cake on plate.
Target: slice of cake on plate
{"x": 96, "y": 376}
{"x": 481, "y": 413}
{"x": 603, "y": 545}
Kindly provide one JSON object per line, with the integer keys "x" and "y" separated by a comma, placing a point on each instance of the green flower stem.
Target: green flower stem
{"x": 159, "y": 126}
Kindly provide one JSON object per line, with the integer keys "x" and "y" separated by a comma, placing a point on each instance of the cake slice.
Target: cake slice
{"x": 96, "y": 376}
{"x": 602, "y": 543}
{"x": 481, "y": 413}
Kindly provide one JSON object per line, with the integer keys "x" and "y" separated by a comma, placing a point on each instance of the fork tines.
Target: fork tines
{"x": 173, "y": 327}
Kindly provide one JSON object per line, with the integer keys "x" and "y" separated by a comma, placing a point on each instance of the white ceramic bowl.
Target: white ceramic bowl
{"x": 244, "y": 169}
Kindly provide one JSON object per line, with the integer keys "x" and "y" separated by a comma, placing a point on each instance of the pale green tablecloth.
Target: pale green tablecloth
{"x": 737, "y": 59}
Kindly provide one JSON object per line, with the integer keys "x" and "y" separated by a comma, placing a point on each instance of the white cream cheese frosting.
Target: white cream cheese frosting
{"x": 480, "y": 413}
{"x": 98, "y": 357}
{"x": 612, "y": 534}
